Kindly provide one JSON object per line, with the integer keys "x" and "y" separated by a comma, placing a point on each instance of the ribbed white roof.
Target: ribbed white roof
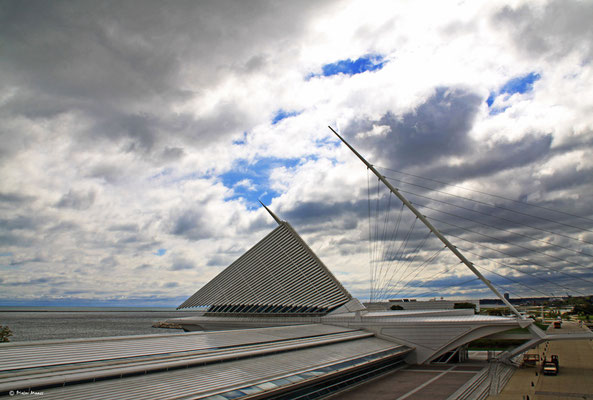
{"x": 279, "y": 274}
{"x": 188, "y": 366}
{"x": 255, "y": 375}
{"x": 35, "y": 354}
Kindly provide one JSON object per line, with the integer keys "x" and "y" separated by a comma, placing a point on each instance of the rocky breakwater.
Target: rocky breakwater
{"x": 166, "y": 325}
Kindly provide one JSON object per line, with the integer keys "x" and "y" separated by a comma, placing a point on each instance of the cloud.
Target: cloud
{"x": 314, "y": 213}
{"x": 435, "y": 129}
{"x": 32, "y": 282}
{"x": 129, "y": 129}
{"x": 496, "y": 157}
{"x": 555, "y": 29}
{"x": 134, "y": 68}
{"x": 124, "y": 227}
{"x": 192, "y": 224}
{"x": 181, "y": 264}
{"x": 20, "y": 222}
{"x": 15, "y": 198}
{"x": 77, "y": 200}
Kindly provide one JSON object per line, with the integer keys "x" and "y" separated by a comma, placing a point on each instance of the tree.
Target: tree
{"x": 5, "y": 333}
{"x": 583, "y": 309}
{"x": 495, "y": 311}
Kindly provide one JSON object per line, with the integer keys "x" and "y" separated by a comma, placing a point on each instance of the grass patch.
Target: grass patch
{"x": 518, "y": 331}
{"x": 541, "y": 325}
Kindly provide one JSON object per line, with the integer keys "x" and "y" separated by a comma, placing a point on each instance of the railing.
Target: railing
{"x": 488, "y": 382}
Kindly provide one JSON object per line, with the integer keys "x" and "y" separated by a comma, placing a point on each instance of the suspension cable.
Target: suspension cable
{"x": 489, "y": 194}
{"x": 494, "y": 216}
{"x": 489, "y": 204}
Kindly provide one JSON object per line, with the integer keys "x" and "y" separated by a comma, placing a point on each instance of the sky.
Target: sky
{"x": 137, "y": 138}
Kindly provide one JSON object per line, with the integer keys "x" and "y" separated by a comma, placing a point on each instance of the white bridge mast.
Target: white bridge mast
{"x": 434, "y": 230}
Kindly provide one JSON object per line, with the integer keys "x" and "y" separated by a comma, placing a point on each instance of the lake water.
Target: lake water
{"x": 36, "y": 323}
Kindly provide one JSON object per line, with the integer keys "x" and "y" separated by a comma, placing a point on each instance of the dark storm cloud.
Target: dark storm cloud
{"x": 16, "y": 240}
{"x": 436, "y": 129}
{"x": 21, "y": 223}
{"x": 172, "y": 154}
{"x": 36, "y": 281}
{"x": 482, "y": 160}
{"x": 316, "y": 212}
{"x": 108, "y": 262}
{"x": 124, "y": 228}
{"x": 60, "y": 227}
{"x": 555, "y": 30}
{"x": 192, "y": 224}
{"x": 27, "y": 261}
{"x": 122, "y": 65}
{"x": 181, "y": 263}
{"x": 141, "y": 130}
{"x": 524, "y": 250}
{"x": 425, "y": 138}
{"x": 108, "y": 172}
{"x": 77, "y": 200}
{"x": 15, "y": 198}
{"x": 222, "y": 259}
{"x": 130, "y": 239}
{"x": 568, "y": 177}
{"x": 262, "y": 222}
{"x": 495, "y": 221}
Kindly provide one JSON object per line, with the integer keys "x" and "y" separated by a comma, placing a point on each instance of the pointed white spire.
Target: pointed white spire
{"x": 278, "y": 220}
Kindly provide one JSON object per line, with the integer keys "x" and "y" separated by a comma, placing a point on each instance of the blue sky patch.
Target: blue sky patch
{"x": 160, "y": 252}
{"x": 521, "y": 84}
{"x": 242, "y": 141}
{"x": 282, "y": 114}
{"x": 251, "y": 181}
{"x": 369, "y": 62}
{"x": 328, "y": 142}
{"x": 161, "y": 174}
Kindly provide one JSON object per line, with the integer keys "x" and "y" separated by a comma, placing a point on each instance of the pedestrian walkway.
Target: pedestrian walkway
{"x": 416, "y": 382}
{"x": 575, "y": 377}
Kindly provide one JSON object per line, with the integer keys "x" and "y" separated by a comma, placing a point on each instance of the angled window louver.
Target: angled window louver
{"x": 279, "y": 275}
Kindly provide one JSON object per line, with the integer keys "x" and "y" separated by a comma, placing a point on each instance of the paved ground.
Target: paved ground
{"x": 574, "y": 380}
{"x": 414, "y": 383}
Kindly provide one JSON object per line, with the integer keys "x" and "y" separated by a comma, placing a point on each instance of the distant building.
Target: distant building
{"x": 414, "y": 304}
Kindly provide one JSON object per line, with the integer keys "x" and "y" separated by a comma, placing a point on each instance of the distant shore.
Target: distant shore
{"x": 84, "y": 309}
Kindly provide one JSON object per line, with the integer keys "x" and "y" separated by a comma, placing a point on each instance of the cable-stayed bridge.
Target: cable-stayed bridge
{"x": 523, "y": 252}
{"x": 523, "y": 248}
